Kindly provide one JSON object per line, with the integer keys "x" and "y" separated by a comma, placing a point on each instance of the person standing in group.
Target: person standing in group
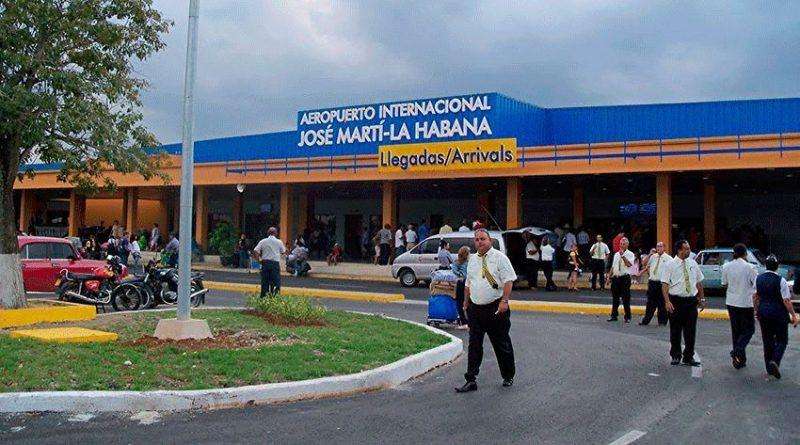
{"x": 531, "y": 261}
{"x": 546, "y": 252}
{"x": 583, "y": 244}
{"x": 423, "y": 232}
{"x": 599, "y": 254}
{"x": 268, "y": 252}
{"x": 443, "y": 255}
{"x": 682, "y": 287}
{"x": 570, "y": 242}
{"x": 618, "y": 239}
{"x": 171, "y": 249}
{"x": 243, "y": 252}
{"x": 135, "y": 251}
{"x": 490, "y": 278}
{"x": 575, "y": 265}
{"x": 459, "y": 268}
{"x": 463, "y": 227}
{"x": 620, "y": 280}
{"x": 384, "y": 240}
{"x": 774, "y": 309}
{"x": 411, "y": 237}
{"x": 399, "y": 240}
{"x": 155, "y": 237}
{"x": 124, "y": 247}
{"x": 656, "y": 263}
{"x": 739, "y": 277}
{"x": 445, "y": 229}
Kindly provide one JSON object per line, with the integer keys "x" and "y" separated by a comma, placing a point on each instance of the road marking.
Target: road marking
{"x": 653, "y": 374}
{"x": 84, "y": 417}
{"x": 630, "y": 437}
{"x": 414, "y": 302}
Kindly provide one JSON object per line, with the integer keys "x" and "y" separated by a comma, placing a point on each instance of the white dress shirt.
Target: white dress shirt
{"x": 547, "y": 252}
{"x": 599, "y": 251}
{"x": 398, "y": 238}
{"x": 656, "y": 265}
{"x": 675, "y": 276}
{"x": 411, "y": 236}
{"x": 618, "y": 267}
{"x": 480, "y": 291}
{"x": 740, "y": 277}
{"x": 270, "y": 249}
{"x": 531, "y": 246}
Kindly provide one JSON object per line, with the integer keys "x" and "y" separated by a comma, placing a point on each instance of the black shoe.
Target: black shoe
{"x": 737, "y": 363}
{"x": 690, "y": 363}
{"x": 675, "y": 362}
{"x": 772, "y": 369}
{"x": 612, "y": 319}
{"x": 508, "y": 382}
{"x": 641, "y": 323}
{"x": 627, "y": 320}
{"x": 469, "y": 386}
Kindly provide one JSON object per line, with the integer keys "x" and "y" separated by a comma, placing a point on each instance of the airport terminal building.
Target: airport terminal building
{"x": 709, "y": 168}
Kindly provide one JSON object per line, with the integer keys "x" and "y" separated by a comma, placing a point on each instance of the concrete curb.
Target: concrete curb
{"x": 594, "y": 309}
{"x": 50, "y": 312}
{"x": 310, "y": 292}
{"x": 386, "y": 376}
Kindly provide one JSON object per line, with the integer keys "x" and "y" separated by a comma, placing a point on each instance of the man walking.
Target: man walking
{"x": 531, "y": 261}
{"x": 740, "y": 278}
{"x": 268, "y": 252}
{"x": 490, "y": 278}
{"x": 620, "y": 277}
{"x": 599, "y": 254}
{"x": 656, "y": 264}
{"x": 682, "y": 287}
{"x": 546, "y": 252}
{"x": 384, "y": 244}
{"x": 775, "y": 311}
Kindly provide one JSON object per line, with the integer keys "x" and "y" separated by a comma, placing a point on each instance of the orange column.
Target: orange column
{"x": 25, "y": 209}
{"x": 77, "y": 212}
{"x": 710, "y": 214}
{"x": 285, "y": 229}
{"x": 664, "y": 209}
{"x": 389, "y": 203}
{"x": 201, "y": 216}
{"x": 513, "y": 203}
{"x": 237, "y": 212}
{"x": 131, "y": 209}
{"x": 302, "y": 211}
{"x": 577, "y": 206}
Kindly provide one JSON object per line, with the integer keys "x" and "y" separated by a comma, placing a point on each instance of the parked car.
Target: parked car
{"x": 418, "y": 263}
{"x": 43, "y": 258}
{"x": 712, "y": 260}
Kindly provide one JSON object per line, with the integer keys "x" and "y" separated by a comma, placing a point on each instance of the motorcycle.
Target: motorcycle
{"x": 298, "y": 268}
{"x": 101, "y": 287}
{"x": 160, "y": 286}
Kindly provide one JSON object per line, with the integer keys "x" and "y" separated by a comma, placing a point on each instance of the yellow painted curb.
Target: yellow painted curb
{"x": 66, "y": 335}
{"x": 310, "y": 292}
{"x": 56, "y": 312}
{"x": 594, "y": 309}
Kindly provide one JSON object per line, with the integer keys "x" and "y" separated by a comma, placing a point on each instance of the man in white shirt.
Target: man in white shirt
{"x": 656, "y": 264}
{"x": 682, "y": 287}
{"x": 490, "y": 278}
{"x": 463, "y": 227}
{"x": 531, "y": 261}
{"x": 620, "y": 278}
{"x": 384, "y": 237}
{"x": 546, "y": 252}
{"x": 399, "y": 240}
{"x": 739, "y": 277}
{"x": 268, "y": 252}
{"x": 445, "y": 229}
{"x": 599, "y": 255}
{"x": 411, "y": 237}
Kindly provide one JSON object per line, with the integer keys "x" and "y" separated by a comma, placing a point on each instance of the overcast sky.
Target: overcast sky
{"x": 261, "y": 61}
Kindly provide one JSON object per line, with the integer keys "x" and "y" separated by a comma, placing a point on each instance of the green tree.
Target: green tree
{"x": 68, "y": 95}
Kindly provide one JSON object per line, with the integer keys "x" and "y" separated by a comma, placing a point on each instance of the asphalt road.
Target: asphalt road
{"x": 421, "y": 292}
{"x": 580, "y": 380}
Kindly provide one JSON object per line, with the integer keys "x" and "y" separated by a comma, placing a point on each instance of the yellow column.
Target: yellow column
{"x": 513, "y": 203}
{"x": 664, "y": 209}
{"x": 577, "y": 206}
{"x": 201, "y": 216}
{"x": 131, "y": 209}
{"x": 25, "y": 209}
{"x": 709, "y": 215}
{"x": 389, "y": 208}
{"x": 285, "y": 228}
{"x": 77, "y": 212}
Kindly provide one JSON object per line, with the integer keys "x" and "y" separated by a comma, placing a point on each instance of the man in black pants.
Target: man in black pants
{"x": 682, "y": 286}
{"x": 268, "y": 252}
{"x": 531, "y": 261}
{"x": 620, "y": 280}
{"x": 656, "y": 264}
{"x": 739, "y": 279}
{"x": 599, "y": 256}
{"x": 490, "y": 278}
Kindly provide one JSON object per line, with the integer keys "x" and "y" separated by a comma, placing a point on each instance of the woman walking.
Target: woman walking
{"x": 773, "y": 307}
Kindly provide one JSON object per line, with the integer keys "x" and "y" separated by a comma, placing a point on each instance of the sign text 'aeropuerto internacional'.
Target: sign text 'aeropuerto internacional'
{"x": 440, "y": 156}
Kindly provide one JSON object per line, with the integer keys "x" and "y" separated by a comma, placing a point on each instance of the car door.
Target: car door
{"x": 426, "y": 257}
{"x": 36, "y": 267}
{"x": 60, "y": 258}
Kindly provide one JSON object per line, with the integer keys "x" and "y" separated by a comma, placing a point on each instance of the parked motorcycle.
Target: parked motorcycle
{"x": 298, "y": 268}
{"x": 100, "y": 287}
{"x": 159, "y": 285}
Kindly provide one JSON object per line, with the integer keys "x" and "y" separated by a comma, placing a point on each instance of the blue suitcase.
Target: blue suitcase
{"x": 442, "y": 309}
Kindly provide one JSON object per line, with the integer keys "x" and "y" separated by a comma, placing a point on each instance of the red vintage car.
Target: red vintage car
{"x": 43, "y": 258}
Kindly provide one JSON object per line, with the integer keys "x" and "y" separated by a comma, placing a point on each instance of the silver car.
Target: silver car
{"x": 712, "y": 260}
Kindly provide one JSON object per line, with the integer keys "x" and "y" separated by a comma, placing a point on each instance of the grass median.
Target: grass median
{"x": 249, "y": 348}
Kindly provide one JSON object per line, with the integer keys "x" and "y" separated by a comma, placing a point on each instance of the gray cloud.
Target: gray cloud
{"x": 260, "y": 62}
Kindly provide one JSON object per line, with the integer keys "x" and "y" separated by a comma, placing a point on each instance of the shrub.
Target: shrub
{"x": 223, "y": 239}
{"x": 287, "y": 309}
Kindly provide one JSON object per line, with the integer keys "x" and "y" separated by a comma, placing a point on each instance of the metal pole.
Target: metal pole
{"x": 187, "y": 168}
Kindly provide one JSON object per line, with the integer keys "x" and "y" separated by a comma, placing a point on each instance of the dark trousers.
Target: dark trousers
{"x": 270, "y": 277}
{"x": 621, "y": 291}
{"x": 682, "y": 321}
{"x": 743, "y": 326}
{"x": 598, "y": 270}
{"x": 655, "y": 302}
{"x": 383, "y": 259}
{"x": 482, "y": 320}
{"x": 462, "y": 317}
{"x": 775, "y": 334}
{"x": 532, "y": 272}
{"x": 547, "y": 268}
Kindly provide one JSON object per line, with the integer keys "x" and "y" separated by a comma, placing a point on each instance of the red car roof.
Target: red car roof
{"x": 24, "y": 239}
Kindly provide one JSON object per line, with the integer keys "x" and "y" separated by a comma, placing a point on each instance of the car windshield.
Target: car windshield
{"x": 716, "y": 258}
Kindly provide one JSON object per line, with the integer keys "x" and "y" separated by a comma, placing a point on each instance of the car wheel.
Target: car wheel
{"x": 407, "y": 278}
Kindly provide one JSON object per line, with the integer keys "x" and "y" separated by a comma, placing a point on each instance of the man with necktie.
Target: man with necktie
{"x": 655, "y": 299}
{"x": 620, "y": 278}
{"x": 682, "y": 287}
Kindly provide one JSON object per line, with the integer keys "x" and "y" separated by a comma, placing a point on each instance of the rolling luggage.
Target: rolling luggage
{"x": 442, "y": 309}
